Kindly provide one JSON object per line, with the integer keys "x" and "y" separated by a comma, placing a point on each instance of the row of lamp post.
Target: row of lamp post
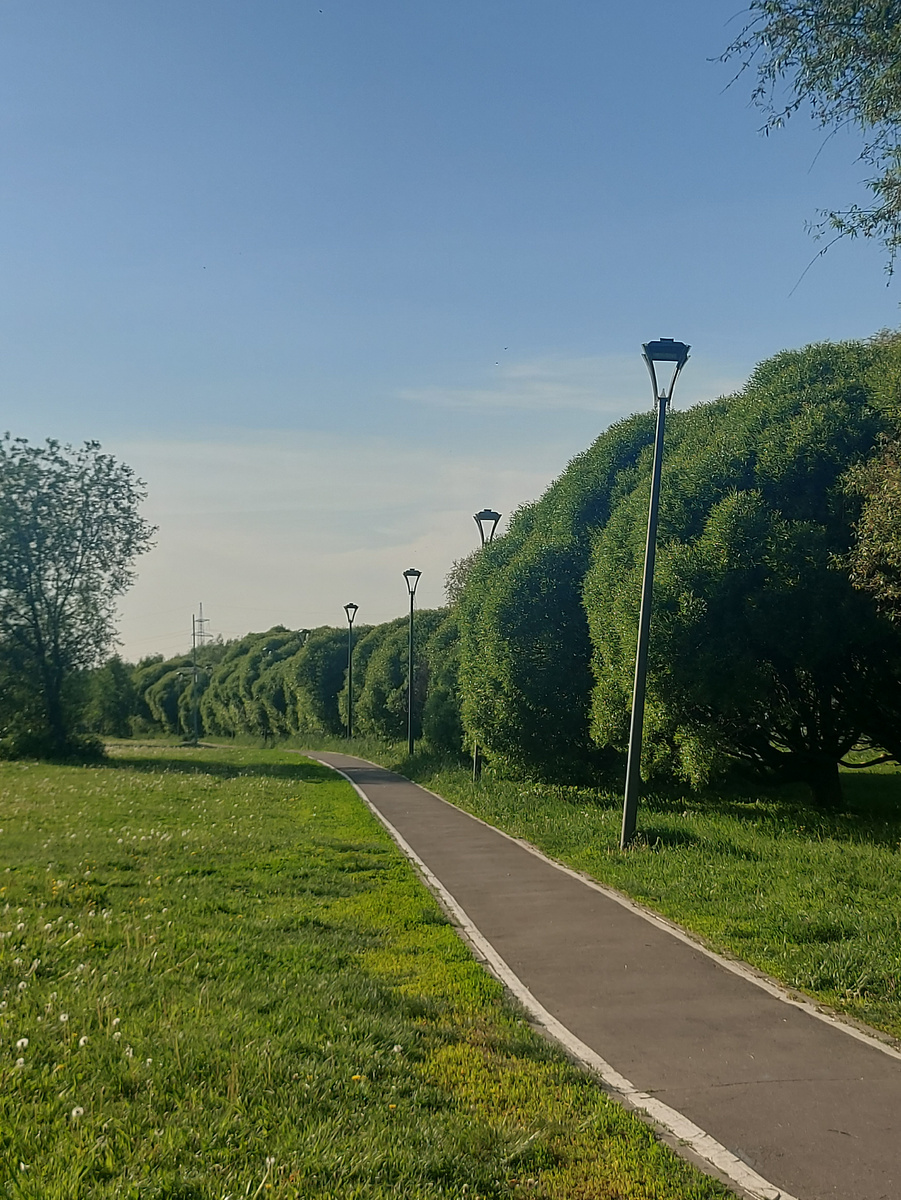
{"x": 487, "y": 522}
{"x": 664, "y": 358}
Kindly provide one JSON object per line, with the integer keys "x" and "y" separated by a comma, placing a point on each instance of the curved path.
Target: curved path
{"x": 773, "y": 1095}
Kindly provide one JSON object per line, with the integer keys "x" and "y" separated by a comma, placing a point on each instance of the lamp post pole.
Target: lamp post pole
{"x": 412, "y": 578}
{"x": 675, "y": 355}
{"x": 350, "y": 611}
{"x": 487, "y": 519}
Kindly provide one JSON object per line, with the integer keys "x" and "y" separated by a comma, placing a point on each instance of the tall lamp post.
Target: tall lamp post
{"x": 487, "y": 521}
{"x": 412, "y": 578}
{"x": 669, "y": 358}
{"x": 350, "y": 611}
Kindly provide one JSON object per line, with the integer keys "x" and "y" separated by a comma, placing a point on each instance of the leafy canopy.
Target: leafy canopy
{"x": 761, "y": 649}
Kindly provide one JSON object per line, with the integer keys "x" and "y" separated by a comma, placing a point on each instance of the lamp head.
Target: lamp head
{"x": 487, "y": 521}
{"x": 412, "y": 578}
{"x": 351, "y": 611}
{"x": 665, "y": 358}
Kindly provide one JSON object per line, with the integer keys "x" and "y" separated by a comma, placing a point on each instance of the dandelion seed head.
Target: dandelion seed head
{"x": 63, "y": 1018}
{"x": 83, "y": 1041}
{"x": 22, "y": 1044}
{"x": 77, "y": 1112}
{"x": 20, "y": 1062}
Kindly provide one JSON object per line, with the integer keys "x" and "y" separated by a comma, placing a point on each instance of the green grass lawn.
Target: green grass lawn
{"x": 219, "y": 978}
{"x": 811, "y": 898}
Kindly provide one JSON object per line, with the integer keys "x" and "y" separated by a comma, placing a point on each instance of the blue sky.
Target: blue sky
{"x": 334, "y": 275}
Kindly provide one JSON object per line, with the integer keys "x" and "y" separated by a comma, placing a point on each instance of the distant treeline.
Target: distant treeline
{"x": 286, "y": 682}
{"x": 775, "y": 643}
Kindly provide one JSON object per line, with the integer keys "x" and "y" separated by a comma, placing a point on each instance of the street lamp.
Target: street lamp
{"x": 483, "y": 519}
{"x": 350, "y": 611}
{"x": 669, "y": 358}
{"x": 487, "y": 519}
{"x": 412, "y": 578}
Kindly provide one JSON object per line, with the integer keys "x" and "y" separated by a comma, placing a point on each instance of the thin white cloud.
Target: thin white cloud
{"x": 610, "y": 385}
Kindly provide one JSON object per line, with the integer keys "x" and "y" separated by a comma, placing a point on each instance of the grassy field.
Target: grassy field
{"x": 219, "y": 978}
{"x": 813, "y": 899}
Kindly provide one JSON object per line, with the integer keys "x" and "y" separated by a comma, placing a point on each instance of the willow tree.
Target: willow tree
{"x": 841, "y": 61}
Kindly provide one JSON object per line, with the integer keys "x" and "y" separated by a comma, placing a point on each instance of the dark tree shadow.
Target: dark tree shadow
{"x": 301, "y": 771}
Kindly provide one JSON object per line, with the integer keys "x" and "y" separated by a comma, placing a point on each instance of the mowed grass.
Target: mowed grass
{"x": 811, "y": 898}
{"x": 220, "y": 979}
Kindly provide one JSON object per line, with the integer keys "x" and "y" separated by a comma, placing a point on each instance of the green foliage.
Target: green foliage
{"x": 442, "y": 725}
{"x": 842, "y": 60}
{"x": 112, "y": 699}
{"x": 315, "y": 677}
{"x": 761, "y": 649}
{"x": 69, "y": 532}
{"x": 381, "y": 710}
{"x": 246, "y": 688}
{"x": 455, "y": 580}
{"x": 875, "y": 559}
{"x": 524, "y": 646}
{"x": 163, "y": 695}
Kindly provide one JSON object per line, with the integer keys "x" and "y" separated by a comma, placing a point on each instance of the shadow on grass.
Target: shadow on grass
{"x": 871, "y": 809}
{"x": 669, "y": 839}
{"x": 301, "y": 771}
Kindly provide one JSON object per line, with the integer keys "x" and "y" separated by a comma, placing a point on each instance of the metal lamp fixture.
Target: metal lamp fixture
{"x": 665, "y": 358}
{"x": 350, "y": 611}
{"x": 487, "y": 521}
{"x": 412, "y": 578}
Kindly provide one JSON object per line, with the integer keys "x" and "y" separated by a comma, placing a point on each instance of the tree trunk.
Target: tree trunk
{"x": 54, "y": 710}
{"x": 825, "y": 782}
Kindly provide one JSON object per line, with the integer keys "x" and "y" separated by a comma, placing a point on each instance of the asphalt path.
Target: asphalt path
{"x": 777, "y": 1096}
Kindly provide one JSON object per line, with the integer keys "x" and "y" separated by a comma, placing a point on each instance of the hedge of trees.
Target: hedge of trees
{"x": 775, "y": 641}
{"x": 290, "y": 682}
